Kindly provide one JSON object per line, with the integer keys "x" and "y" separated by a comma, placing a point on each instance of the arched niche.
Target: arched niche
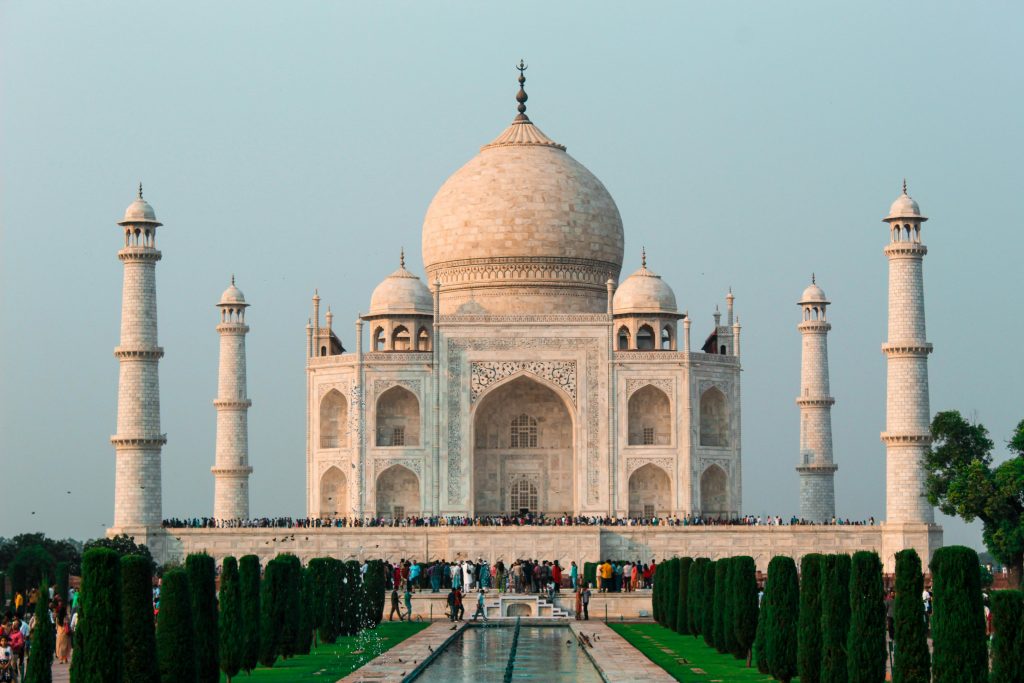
{"x": 649, "y": 417}
{"x": 333, "y": 420}
{"x": 398, "y": 493}
{"x": 650, "y": 492}
{"x": 714, "y": 491}
{"x": 398, "y": 418}
{"x": 333, "y": 493}
{"x": 714, "y": 418}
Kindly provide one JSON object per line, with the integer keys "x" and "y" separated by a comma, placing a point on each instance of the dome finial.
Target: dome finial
{"x": 401, "y": 257}
{"x": 643, "y": 257}
{"x": 232, "y": 279}
{"x": 140, "y": 190}
{"x": 905, "y": 186}
{"x": 521, "y": 96}
{"x": 813, "y": 281}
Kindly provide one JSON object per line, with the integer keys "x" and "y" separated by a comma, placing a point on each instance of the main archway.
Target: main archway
{"x": 523, "y": 442}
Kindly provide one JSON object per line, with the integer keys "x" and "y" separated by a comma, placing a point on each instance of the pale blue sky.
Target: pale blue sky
{"x": 298, "y": 145}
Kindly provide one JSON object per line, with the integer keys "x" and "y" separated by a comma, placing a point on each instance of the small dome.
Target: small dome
{"x": 232, "y": 296}
{"x": 813, "y": 295}
{"x": 401, "y": 293}
{"x": 644, "y": 292}
{"x": 139, "y": 211}
{"x": 905, "y": 207}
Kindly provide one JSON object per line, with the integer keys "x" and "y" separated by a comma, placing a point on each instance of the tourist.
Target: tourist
{"x": 6, "y": 660}
{"x": 585, "y": 600}
{"x": 456, "y": 576}
{"x": 573, "y": 575}
{"x": 434, "y": 572}
{"x": 579, "y": 602}
{"x": 460, "y": 610}
{"x": 408, "y": 602}
{"x": 606, "y": 576}
{"x": 414, "y": 573}
{"x": 395, "y": 606}
{"x": 556, "y": 575}
{"x": 635, "y": 576}
{"x": 480, "y": 611}
{"x": 62, "y": 652}
{"x": 452, "y": 612}
{"x": 19, "y": 645}
{"x": 499, "y": 576}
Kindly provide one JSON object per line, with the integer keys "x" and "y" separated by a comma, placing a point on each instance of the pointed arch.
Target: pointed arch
{"x": 423, "y": 340}
{"x": 623, "y": 344}
{"x": 649, "y": 417}
{"x": 668, "y": 341}
{"x": 333, "y": 493}
{"x": 398, "y": 493}
{"x": 401, "y": 339}
{"x": 714, "y": 418}
{"x": 714, "y": 491}
{"x": 650, "y": 492}
{"x": 645, "y": 338}
{"x": 398, "y": 418}
{"x": 379, "y": 339}
{"x": 333, "y": 420}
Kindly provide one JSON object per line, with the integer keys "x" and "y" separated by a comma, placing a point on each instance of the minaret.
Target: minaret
{"x": 231, "y": 471}
{"x": 138, "y": 442}
{"x": 907, "y": 434}
{"x": 817, "y": 471}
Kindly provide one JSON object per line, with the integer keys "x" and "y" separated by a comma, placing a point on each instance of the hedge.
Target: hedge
{"x": 708, "y": 609}
{"x": 99, "y": 658}
{"x": 720, "y": 616}
{"x": 374, "y": 584}
{"x": 683, "y": 595}
{"x": 669, "y": 607}
{"x": 808, "y": 644}
{"x": 292, "y": 599}
{"x": 695, "y": 608}
{"x": 272, "y": 610}
{"x": 43, "y": 642}
{"x": 911, "y": 659}
{"x": 958, "y": 618}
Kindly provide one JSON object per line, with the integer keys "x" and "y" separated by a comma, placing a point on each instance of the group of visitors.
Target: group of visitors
{"x": 19, "y": 626}
{"x": 496, "y": 520}
{"x": 521, "y": 576}
{"x": 624, "y": 577}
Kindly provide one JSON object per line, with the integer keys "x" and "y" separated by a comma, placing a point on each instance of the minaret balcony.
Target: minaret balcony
{"x": 138, "y": 441}
{"x": 233, "y": 328}
{"x": 905, "y": 249}
{"x": 232, "y": 403}
{"x": 889, "y": 438}
{"x": 817, "y": 468}
{"x": 236, "y": 470}
{"x": 140, "y": 353}
{"x": 906, "y": 348}
{"x": 139, "y": 254}
{"x": 815, "y": 401}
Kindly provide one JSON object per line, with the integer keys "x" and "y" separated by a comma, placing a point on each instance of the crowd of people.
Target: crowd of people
{"x": 19, "y": 626}
{"x": 497, "y": 520}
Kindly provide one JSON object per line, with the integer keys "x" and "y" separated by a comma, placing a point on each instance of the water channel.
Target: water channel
{"x": 542, "y": 653}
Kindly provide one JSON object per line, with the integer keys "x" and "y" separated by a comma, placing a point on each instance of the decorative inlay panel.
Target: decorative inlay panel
{"x": 561, "y": 373}
{"x": 666, "y": 385}
{"x": 382, "y": 385}
{"x": 342, "y": 387}
{"x": 381, "y": 464}
{"x": 667, "y": 464}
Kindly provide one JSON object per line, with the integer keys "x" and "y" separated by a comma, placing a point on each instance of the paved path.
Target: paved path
{"x": 615, "y": 658}
{"x": 413, "y": 653}
{"x": 60, "y": 673}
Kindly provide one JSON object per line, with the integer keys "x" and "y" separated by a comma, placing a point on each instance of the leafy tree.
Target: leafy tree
{"x": 1008, "y": 641}
{"x": 3, "y": 593}
{"x": 744, "y": 610}
{"x": 835, "y": 617}
{"x": 273, "y": 592}
{"x": 293, "y": 604}
{"x": 808, "y": 646}
{"x": 780, "y": 638}
{"x": 961, "y": 481}
{"x": 62, "y": 580}
{"x": 99, "y": 659}
{"x": 958, "y": 618}
{"x": 62, "y": 551}
{"x": 708, "y": 608}
{"x": 374, "y": 579}
{"x": 865, "y": 643}
{"x": 43, "y": 641}
{"x": 29, "y": 566}
{"x": 175, "y": 632}
{"x": 231, "y": 641}
{"x": 139, "y": 663}
{"x": 123, "y": 545}
{"x": 249, "y": 591}
{"x": 696, "y": 595}
{"x": 202, "y": 581}
{"x": 719, "y": 616}
{"x": 911, "y": 659}
{"x": 683, "y": 595}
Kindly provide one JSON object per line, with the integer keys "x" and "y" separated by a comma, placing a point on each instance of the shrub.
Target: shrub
{"x": 911, "y": 659}
{"x": 249, "y": 590}
{"x": 175, "y": 632}
{"x": 808, "y": 646}
{"x": 683, "y": 595}
{"x": 744, "y": 609}
{"x": 231, "y": 640}
{"x": 720, "y": 615}
{"x": 958, "y": 618}
{"x": 139, "y": 635}
{"x": 99, "y": 658}
{"x": 865, "y": 644}
{"x": 780, "y": 638}
{"x": 696, "y": 595}
{"x": 835, "y": 617}
{"x": 43, "y": 642}
{"x": 708, "y": 608}
{"x": 1008, "y": 640}
{"x": 272, "y": 610}
{"x": 202, "y": 581}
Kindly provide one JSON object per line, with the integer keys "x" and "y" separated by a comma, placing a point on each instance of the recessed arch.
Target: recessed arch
{"x": 623, "y": 338}
{"x": 667, "y": 338}
{"x": 645, "y": 338}
{"x": 400, "y": 339}
{"x": 398, "y": 493}
{"x": 714, "y": 418}
{"x": 650, "y": 492}
{"x": 714, "y": 491}
{"x": 423, "y": 340}
{"x": 333, "y": 493}
{"x": 379, "y": 339}
{"x": 649, "y": 417}
{"x": 333, "y": 420}
{"x": 398, "y": 418}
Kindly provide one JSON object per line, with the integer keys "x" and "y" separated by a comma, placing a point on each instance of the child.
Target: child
{"x": 6, "y": 660}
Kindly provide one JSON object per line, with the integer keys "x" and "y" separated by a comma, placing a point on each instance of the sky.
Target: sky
{"x": 298, "y": 145}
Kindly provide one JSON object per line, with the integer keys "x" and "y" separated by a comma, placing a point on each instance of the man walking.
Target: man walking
{"x": 480, "y": 611}
{"x": 395, "y": 606}
{"x": 585, "y": 599}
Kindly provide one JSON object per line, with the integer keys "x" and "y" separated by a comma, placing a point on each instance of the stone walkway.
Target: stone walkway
{"x": 615, "y": 658}
{"x": 412, "y": 654}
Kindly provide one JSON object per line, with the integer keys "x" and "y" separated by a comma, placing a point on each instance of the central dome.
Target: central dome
{"x": 523, "y": 228}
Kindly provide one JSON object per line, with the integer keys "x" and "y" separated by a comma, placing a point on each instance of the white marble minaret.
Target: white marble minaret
{"x": 907, "y": 417}
{"x": 817, "y": 471}
{"x": 231, "y": 471}
{"x": 137, "y": 444}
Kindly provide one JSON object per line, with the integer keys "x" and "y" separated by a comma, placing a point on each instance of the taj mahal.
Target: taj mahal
{"x": 522, "y": 372}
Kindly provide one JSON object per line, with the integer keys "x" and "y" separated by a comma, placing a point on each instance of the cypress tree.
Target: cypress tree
{"x": 175, "y": 631}
{"x": 100, "y": 657}
{"x": 249, "y": 590}
{"x": 958, "y": 618}
{"x": 43, "y": 641}
{"x": 3, "y": 594}
{"x": 808, "y": 646}
{"x": 729, "y": 628}
{"x": 656, "y": 593}
{"x": 352, "y": 604}
{"x": 231, "y": 641}
{"x": 375, "y": 592}
{"x": 780, "y": 638}
{"x": 139, "y": 663}
{"x": 305, "y": 640}
{"x": 911, "y": 659}
{"x": 744, "y": 610}
{"x": 683, "y": 596}
{"x": 1008, "y": 640}
{"x": 719, "y": 617}
{"x": 293, "y": 604}
{"x": 272, "y": 608}
{"x": 63, "y": 577}
{"x": 202, "y": 581}
{"x": 708, "y": 608}
{"x": 672, "y": 581}
{"x": 696, "y": 595}
{"x": 760, "y": 649}
{"x": 835, "y": 617}
{"x": 865, "y": 643}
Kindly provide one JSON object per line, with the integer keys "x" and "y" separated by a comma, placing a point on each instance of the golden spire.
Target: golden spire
{"x": 521, "y": 96}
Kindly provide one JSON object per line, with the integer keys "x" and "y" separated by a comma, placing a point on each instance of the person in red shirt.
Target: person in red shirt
{"x": 556, "y": 576}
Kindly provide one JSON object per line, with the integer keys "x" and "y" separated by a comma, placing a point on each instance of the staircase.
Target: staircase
{"x": 522, "y": 605}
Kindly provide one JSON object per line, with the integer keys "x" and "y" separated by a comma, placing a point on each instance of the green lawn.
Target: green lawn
{"x": 331, "y": 662}
{"x": 652, "y": 638}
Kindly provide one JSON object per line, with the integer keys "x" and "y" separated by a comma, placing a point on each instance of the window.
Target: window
{"x": 648, "y": 436}
{"x": 423, "y": 340}
{"x": 648, "y": 511}
{"x": 645, "y": 338}
{"x": 399, "y": 512}
{"x": 523, "y": 496}
{"x": 623, "y": 339}
{"x": 398, "y": 436}
{"x": 400, "y": 339}
{"x": 666, "y": 339}
{"x": 524, "y": 432}
{"x": 378, "y": 339}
